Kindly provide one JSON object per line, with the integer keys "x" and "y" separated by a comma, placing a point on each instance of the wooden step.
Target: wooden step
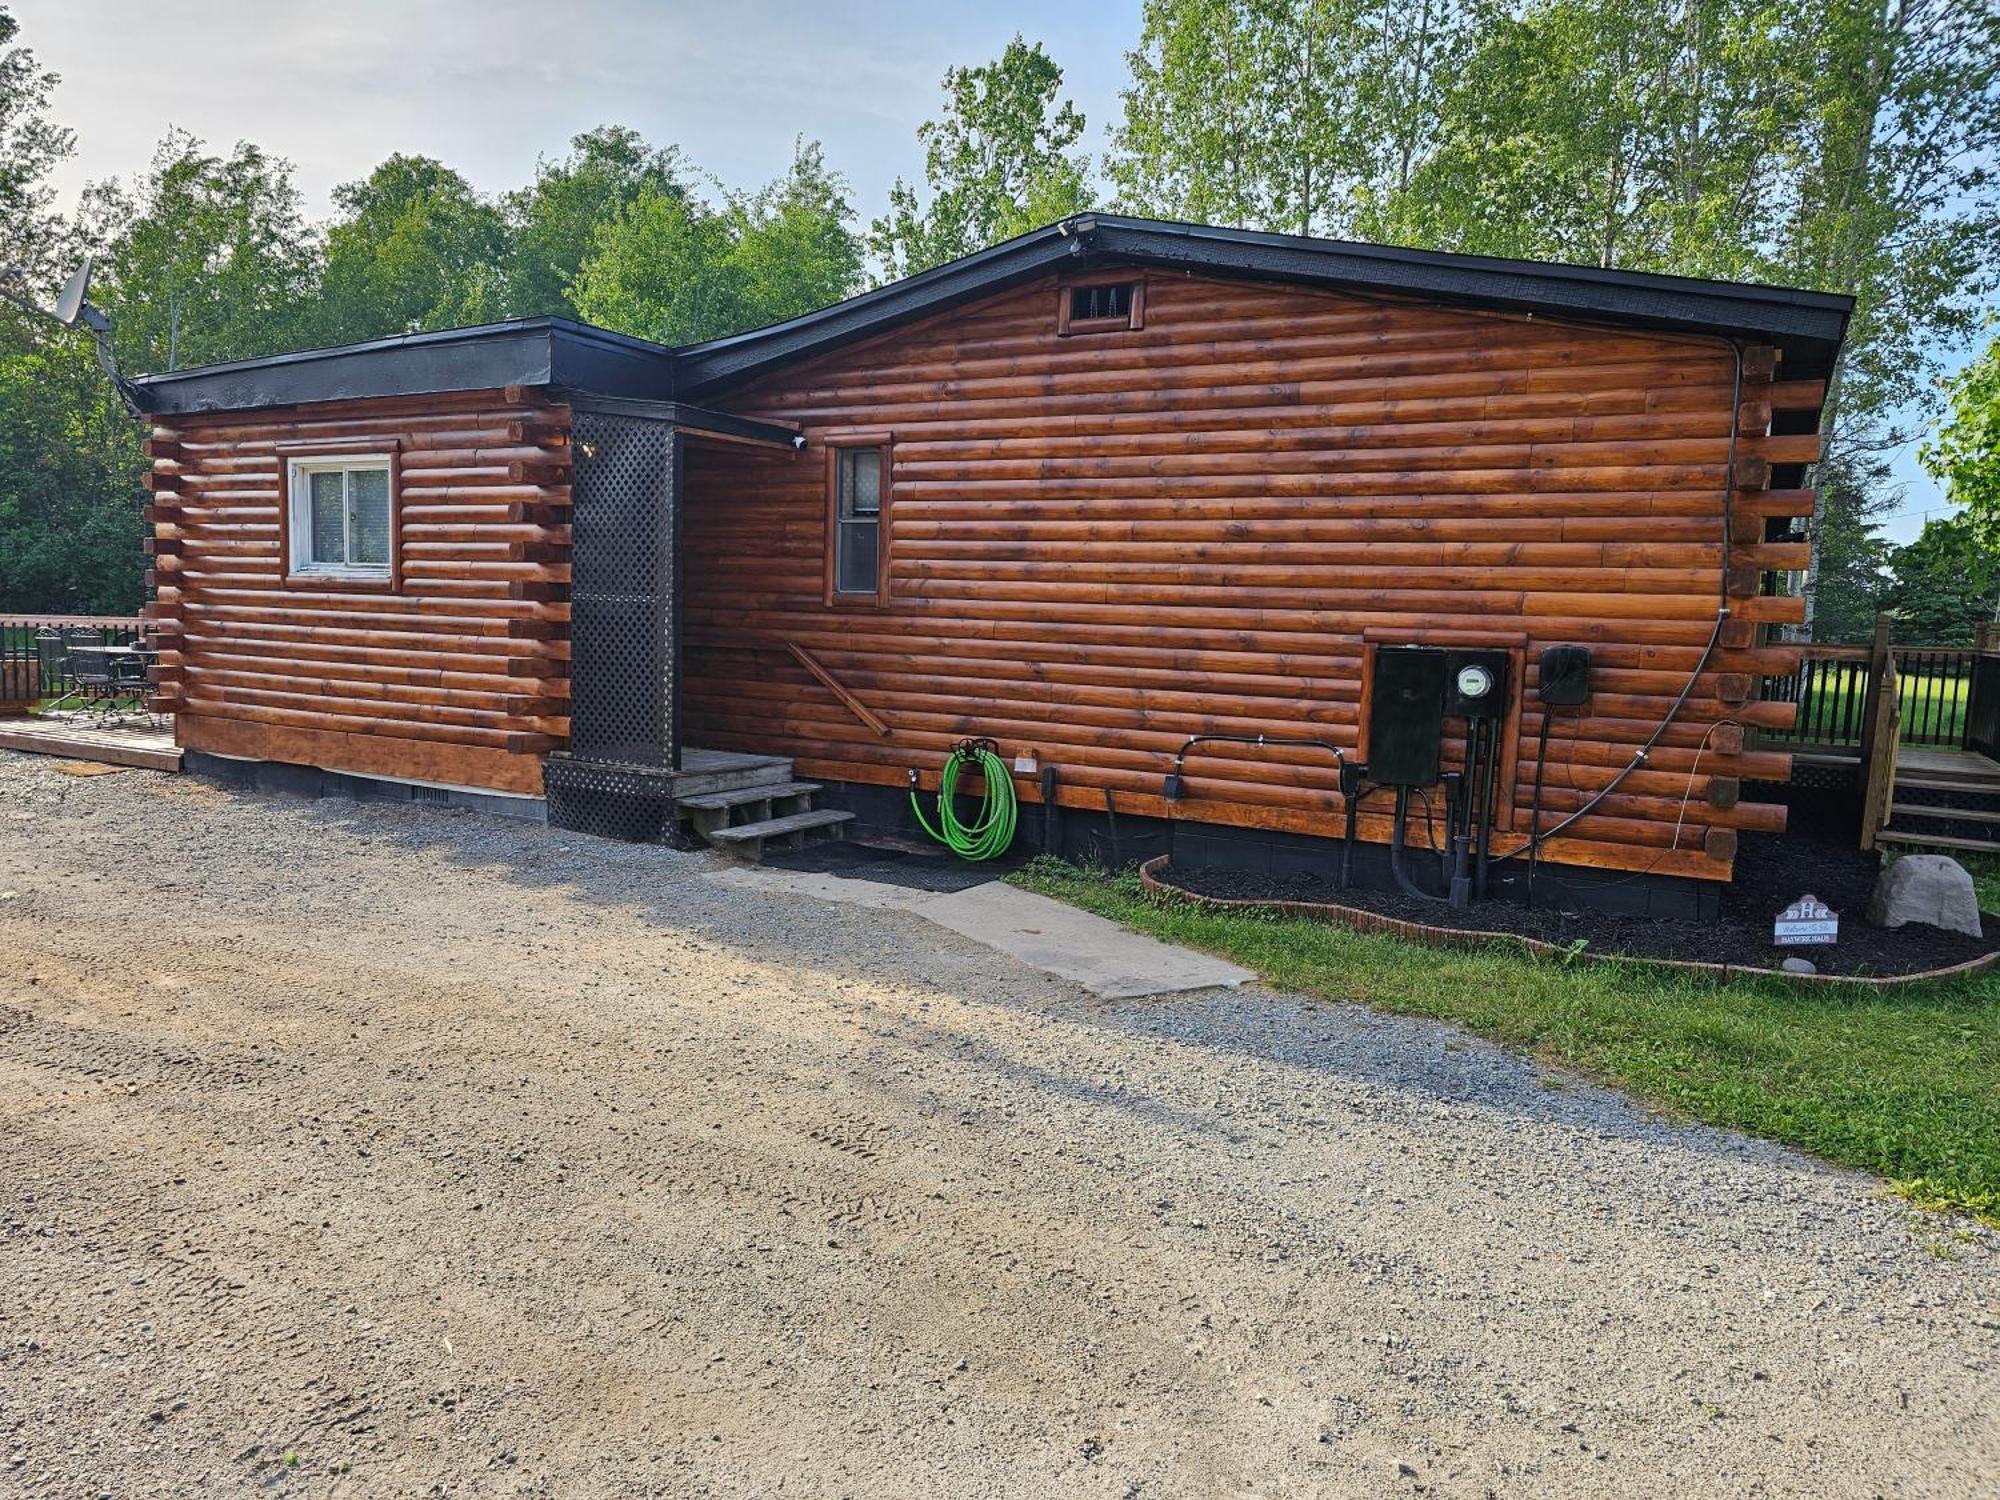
{"x": 705, "y": 771}
{"x": 792, "y": 831}
{"x": 1962, "y": 786}
{"x": 743, "y": 833}
{"x": 743, "y": 795}
{"x": 1949, "y": 814}
{"x": 1936, "y": 841}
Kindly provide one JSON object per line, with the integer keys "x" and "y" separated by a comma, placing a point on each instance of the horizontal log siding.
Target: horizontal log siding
{"x": 459, "y": 677}
{"x": 1103, "y": 544}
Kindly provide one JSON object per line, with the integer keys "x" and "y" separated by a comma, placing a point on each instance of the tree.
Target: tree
{"x": 30, "y": 147}
{"x": 69, "y": 457}
{"x": 1254, "y": 113}
{"x": 1944, "y": 584}
{"x": 1644, "y": 134}
{"x": 794, "y": 250}
{"x": 206, "y": 258}
{"x": 1964, "y": 456}
{"x": 555, "y": 221}
{"x": 1896, "y": 201}
{"x": 671, "y": 268}
{"x": 661, "y": 270}
{"x": 1000, "y": 162}
{"x": 417, "y": 248}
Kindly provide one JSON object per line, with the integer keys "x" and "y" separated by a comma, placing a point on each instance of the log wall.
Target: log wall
{"x": 457, "y": 674}
{"x": 1101, "y": 544}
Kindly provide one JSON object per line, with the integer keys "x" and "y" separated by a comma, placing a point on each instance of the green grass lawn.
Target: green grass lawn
{"x": 1906, "y": 1085}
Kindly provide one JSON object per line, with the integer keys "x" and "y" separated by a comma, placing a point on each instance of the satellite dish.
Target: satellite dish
{"x": 69, "y": 306}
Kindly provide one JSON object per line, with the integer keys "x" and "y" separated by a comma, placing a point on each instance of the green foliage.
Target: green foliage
{"x": 206, "y": 258}
{"x": 661, "y": 270}
{"x": 793, "y": 249}
{"x": 671, "y": 268}
{"x": 1000, "y": 162}
{"x": 1964, "y": 455}
{"x": 1305, "y": 116}
{"x": 555, "y": 222}
{"x": 1905, "y": 1085}
{"x": 1944, "y": 584}
{"x": 69, "y": 483}
{"x": 30, "y": 147}
{"x": 417, "y": 248}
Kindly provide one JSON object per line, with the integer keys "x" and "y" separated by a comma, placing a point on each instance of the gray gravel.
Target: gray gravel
{"x": 421, "y": 1153}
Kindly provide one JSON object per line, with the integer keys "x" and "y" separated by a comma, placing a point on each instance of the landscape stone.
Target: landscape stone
{"x": 1797, "y": 965}
{"x": 1931, "y": 889}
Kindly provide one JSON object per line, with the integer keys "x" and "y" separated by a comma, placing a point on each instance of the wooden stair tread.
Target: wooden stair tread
{"x": 1943, "y": 785}
{"x": 1962, "y": 814}
{"x": 744, "y": 833}
{"x": 1937, "y": 840}
{"x": 743, "y": 795}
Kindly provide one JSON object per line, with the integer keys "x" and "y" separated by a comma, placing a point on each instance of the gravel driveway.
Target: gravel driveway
{"x": 412, "y": 1152}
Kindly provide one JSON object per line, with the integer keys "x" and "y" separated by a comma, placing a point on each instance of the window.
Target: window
{"x": 1101, "y": 307}
{"x": 342, "y": 518}
{"x": 858, "y": 486}
{"x": 1088, "y": 302}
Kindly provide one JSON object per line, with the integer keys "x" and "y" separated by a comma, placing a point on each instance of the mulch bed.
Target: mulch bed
{"x": 1772, "y": 871}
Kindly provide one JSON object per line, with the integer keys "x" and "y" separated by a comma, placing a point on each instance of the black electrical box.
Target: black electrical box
{"x": 1406, "y": 716}
{"x": 1475, "y": 683}
{"x": 1565, "y": 676}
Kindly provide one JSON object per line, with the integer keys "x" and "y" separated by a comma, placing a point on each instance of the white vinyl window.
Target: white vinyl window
{"x": 340, "y": 517}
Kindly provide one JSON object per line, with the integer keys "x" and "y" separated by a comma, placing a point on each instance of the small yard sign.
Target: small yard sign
{"x": 1807, "y": 922}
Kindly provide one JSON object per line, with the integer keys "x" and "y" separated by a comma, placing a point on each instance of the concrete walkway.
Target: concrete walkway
{"x": 1108, "y": 960}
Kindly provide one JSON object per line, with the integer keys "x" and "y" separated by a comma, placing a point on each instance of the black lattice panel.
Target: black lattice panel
{"x": 634, "y": 804}
{"x": 622, "y": 696}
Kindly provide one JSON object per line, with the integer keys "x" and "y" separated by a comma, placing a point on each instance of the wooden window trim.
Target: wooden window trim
{"x": 1133, "y": 321}
{"x": 834, "y": 443}
{"x": 335, "y": 450}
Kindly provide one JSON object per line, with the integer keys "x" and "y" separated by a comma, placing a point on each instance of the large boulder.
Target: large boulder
{"x": 1926, "y": 888}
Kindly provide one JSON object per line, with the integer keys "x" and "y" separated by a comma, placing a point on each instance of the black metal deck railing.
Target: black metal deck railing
{"x": 1934, "y": 683}
{"x": 32, "y": 666}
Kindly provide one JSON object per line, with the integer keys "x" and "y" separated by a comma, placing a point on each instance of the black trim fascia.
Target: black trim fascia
{"x": 528, "y": 352}
{"x": 683, "y": 417}
{"x": 1808, "y": 326}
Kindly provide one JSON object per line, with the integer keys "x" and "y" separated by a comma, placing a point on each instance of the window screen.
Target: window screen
{"x": 857, "y": 521}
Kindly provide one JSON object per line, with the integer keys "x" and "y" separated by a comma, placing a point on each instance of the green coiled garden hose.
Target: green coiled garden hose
{"x": 992, "y": 832}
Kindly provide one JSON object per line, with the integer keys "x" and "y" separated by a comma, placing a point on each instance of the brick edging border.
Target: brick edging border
{"x": 1463, "y": 938}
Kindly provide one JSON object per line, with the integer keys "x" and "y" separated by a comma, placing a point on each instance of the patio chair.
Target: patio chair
{"x": 128, "y": 676}
{"x": 92, "y": 671}
{"x": 52, "y": 652}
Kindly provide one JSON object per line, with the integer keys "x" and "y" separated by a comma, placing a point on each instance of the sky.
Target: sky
{"x": 487, "y": 86}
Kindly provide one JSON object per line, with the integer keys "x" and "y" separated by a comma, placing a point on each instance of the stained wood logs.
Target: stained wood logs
{"x": 1102, "y": 544}
{"x": 463, "y": 666}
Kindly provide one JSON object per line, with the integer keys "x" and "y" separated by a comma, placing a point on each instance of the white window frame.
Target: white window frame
{"x": 298, "y": 493}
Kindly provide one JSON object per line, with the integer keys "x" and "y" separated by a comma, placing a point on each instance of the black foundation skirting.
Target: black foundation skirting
{"x": 1093, "y": 836}
{"x": 311, "y": 781}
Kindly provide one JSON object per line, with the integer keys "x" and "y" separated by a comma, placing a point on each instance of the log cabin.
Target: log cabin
{"x": 1194, "y": 525}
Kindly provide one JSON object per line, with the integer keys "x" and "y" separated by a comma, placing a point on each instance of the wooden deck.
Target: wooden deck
{"x": 1964, "y": 768}
{"x": 149, "y": 746}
